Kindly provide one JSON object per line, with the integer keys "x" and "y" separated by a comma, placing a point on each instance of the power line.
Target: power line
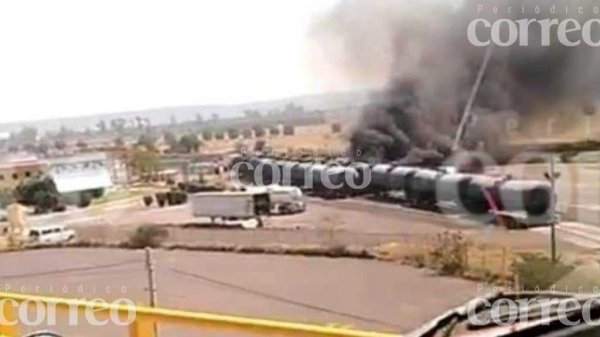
{"x": 71, "y": 270}
{"x": 283, "y": 299}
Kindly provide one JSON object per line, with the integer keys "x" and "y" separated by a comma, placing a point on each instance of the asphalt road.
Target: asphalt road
{"x": 363, "y": 294}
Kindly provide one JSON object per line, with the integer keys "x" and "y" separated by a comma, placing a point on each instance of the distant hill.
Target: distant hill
{"x": 157, "y": 116}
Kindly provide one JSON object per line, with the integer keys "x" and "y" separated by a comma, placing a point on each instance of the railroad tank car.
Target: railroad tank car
{"x": 475, "y": 199}
{"x": 278, "y": 176}
{"x": 532, "y": 196}
{"x": 380, "y": 178}
{"x": 399, "y": 176}
{"x": 245, "y": 167}
{"x": 266, "y": 170}
{"x": 254, "y": 161}
{"x": 351, "y": 182}
{"x": 316, "y": 173}
{"x": 300, "y": 174}
{"x": 287, "y": 167}
{"x": 336, "y": 177}
{"x": 420, "y": 187}
{"x": 453, "y": 188}
{"x": 364, "y": 172}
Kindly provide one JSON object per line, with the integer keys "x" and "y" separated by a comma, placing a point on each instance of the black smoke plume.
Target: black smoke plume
{"x": 420, "y": 52}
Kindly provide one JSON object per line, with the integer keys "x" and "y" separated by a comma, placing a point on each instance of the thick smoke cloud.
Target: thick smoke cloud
{"x": 421, "y": 53}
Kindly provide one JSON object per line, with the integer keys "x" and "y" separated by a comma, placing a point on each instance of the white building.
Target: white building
{"x": 81, "y": 173}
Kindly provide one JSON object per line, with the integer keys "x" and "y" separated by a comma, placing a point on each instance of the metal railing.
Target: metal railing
{"x": 146, "y": 318}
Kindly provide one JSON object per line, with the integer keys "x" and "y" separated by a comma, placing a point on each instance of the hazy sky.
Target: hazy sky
{"x": 72, "y": 57}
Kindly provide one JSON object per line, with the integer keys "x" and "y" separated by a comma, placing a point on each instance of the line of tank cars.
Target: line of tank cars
{"x": 425, "y": 188}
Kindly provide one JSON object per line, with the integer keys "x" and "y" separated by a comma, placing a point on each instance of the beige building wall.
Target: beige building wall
{"x": 11, "y": 175}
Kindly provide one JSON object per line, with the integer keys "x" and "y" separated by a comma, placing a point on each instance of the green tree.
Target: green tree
{"x": 189, "y": 143}
{"x": 207, "y": 135}
{"x": 288, "y": 130}
{"x": 28, "y": 135}
{"x": 170, "y": 139}
{"x": 38, "y": 192}
{"x": 101, "y": 125}
{"x": 147, "y": 141}
{"x": 43, "y": 148}
{"x": 274, "y": 130}
{"x": 60, "y": 144}
{"x": 233, "y": 133}
{"x": 118, "y": 125}
{"x": 143, "y": 162}
{"x": 119, "y": 142}
{"x": 81, "y": 144}
{"x": 259, "y": 131}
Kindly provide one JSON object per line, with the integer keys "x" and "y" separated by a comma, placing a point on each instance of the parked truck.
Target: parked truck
{"x": 283, "y": 199}
{"x": 245, "y": 208}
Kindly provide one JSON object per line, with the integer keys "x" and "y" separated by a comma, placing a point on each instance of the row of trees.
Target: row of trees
{"x": 186, "y": 144}
{"x": 43, "y": 147}
{"x": 256, "y": 131}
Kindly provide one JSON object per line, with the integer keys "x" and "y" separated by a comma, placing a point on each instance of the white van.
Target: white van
{"x": 50, "y": 234}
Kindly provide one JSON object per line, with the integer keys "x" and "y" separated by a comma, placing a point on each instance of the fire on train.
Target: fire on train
{"x": 425, "y": 188}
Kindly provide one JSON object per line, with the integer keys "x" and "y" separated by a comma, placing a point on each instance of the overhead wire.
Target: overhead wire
{"x": 283, "y": 299}
{"x": 71, "y": 270}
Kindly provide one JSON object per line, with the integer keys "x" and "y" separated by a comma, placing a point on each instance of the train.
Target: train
{"x": 426, "y": 188}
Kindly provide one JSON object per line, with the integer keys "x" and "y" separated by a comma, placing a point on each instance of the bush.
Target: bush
{"x": 26, "y": 192}
{"x": 233, "y": 133}
{"x": 537, "y": 271}
{"x": 176, "y": 197}
{"x": 148, "y": 200}
{"x": 161, "y": 199}
{"x": 418, "y": 260}
{"x": 259, "y": 131}
{"x": 288, "y": 130}
{"x": 274, "y": 131}
{"x": 44, "y": 201}
{"x": 148, "y": 236}
{"x": 449, "y": 253}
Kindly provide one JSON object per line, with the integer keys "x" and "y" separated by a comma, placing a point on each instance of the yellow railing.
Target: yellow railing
{"x": 146, "y": 318}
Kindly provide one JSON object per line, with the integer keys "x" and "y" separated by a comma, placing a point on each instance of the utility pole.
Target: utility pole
{"x": 552, "y": 176}
{"x": 467, "y": 111}
{"x": 152, "y": 292}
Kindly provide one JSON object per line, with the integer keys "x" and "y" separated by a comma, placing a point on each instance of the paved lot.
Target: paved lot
{"x": 349, "y": 221}
{"x": 364, "y": 294}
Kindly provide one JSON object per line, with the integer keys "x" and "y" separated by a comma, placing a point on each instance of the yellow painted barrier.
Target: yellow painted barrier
{"x": 146, "y": 317}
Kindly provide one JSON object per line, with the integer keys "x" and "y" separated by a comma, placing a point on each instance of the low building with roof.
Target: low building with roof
{"x": 82, "y": 173}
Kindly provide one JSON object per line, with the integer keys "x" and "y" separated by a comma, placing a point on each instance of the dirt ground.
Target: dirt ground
{"x": 370, "y": 295}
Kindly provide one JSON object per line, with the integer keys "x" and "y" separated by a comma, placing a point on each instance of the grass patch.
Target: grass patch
{"x": 117, "y": 195}
{"x": 536, "y": 271}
